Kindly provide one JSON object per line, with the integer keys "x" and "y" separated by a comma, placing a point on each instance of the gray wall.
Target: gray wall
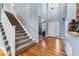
{"x": 55, "y": 15}
{"x": 28, "y": 14}
{"x": 63, "y": 15}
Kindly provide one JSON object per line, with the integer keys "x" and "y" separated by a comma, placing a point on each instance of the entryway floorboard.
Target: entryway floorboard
{"x": 49, "y": 46}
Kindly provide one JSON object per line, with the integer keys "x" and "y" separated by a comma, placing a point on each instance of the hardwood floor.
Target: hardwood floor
{"x": 49, "y": 46}
{"x": 1, "y": 52}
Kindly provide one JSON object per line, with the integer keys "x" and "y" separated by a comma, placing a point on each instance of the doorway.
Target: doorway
{"x": 48, "y": 28}
{"x": 42, "y": 28}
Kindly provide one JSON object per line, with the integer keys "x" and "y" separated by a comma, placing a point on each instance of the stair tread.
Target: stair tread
{"x": 24, "y": 45}
{"x": 5, "y": 40}
{"x": 18, "y": 31}
{"x": 0, "y": 22}
{"x": 20, "y": 34}
{"x": 4, "y": 35}
{"x": 1, "y": 26}
{"x": 22, "y": 41}
{"x": 2, "y": 29}
{"x": 17, "y": 45}
{"x": 20, "y": 37}
{"x": 19, "y": 28}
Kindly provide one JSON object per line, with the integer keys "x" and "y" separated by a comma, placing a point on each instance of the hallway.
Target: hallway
{"x": 49, "y": 46}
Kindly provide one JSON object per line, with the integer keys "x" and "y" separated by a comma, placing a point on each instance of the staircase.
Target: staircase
{"x": 22, "y": 39}
{"x": 6, "y": 43}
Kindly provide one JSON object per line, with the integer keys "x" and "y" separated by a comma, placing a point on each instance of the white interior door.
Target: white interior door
{"x": 53, "y": 28}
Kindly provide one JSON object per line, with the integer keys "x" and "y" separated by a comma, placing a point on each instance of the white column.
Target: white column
{"x": 13, "y": 41}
